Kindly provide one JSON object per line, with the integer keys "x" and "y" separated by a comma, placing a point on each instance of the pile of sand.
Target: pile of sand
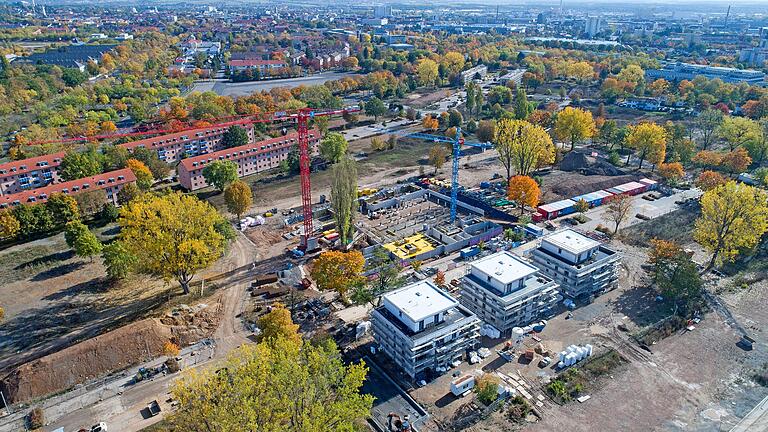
{"x": 113, "y": 351}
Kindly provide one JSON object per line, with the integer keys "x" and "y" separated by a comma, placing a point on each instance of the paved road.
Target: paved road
{"x": 361, "y": 132}
{"x": 652, "y": 209}
{"x": 226, "y": 88}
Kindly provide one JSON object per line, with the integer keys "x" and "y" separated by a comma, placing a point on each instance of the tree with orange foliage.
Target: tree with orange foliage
{"x": 170, "y": 349}
{"x": 708, "y": 159}
{"x": 108, "y": 126}
{"x": 736, "y": 161}
{"x": 440, "y": 278}
{"x": 338, "y": 271}
{"x": 524, "y": 191}
{"x": 672, "y": 171}
{"x": 709, "y": 180}
{"x": 430, "y": 123}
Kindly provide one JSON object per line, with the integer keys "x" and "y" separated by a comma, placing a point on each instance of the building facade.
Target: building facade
{"x": 27, "y": 174}
{"x": 173, "y": 147}
{"x": 110, "y": 183}
{"x": 687, "y": 71}
{"x": 423, "y": 330}
{"x": 580, "y": 265}
{"x": 505, "y": 291}
{"x": 250, "y": 158}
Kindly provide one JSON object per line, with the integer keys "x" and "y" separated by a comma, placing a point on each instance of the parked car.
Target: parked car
{"x": 101, "y": 427}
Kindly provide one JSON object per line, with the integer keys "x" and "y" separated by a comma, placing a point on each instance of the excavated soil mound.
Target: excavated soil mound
{"x": 112, "y": 351}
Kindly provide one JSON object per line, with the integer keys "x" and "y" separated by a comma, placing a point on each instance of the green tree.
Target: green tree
{"x": 734, "y": 217}
{"x": 707, "y": 124}
{"x": 118, "y": 261}
{"x": 522, "y": 107}
{"x": 238, "y": 197}
{"x": 649, "y": 140}
{"x": 63, "y": 208}
{"x": 344, "y": 198}
{"x": 333, "y": 147}
{"x": 173, "y": 236}
{"x": 739, "y": 132}
{"x": 455, "y": 118}
{"x": 235, "y": 136}
{"x": 220, "y": 174}
{"x": 386, "y": 278}
{"x": 149, "y": 158}
{"x": 376, "y": 108}
{"x": 280, "y": 385}
{"x": 77, "y": 165}
{"x": 128, "y": 193}
{"x": 674, "y": 272}
{"x": 581, "y": 206}
{"x": 81, "y": 240}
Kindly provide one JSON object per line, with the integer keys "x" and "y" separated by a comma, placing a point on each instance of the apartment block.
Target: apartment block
{"x": 32, "y": 173}
{"x": 582, "y": 266}
{"x": 173, "y": 147}
{"x": 423, "y": 330}
{"x": 506, "y": 291}
{"x": 110, "y": 183}
{"x": 250, "y": 158}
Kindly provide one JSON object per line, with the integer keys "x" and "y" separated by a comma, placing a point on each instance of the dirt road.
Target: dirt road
{"x": 120, "y": 404}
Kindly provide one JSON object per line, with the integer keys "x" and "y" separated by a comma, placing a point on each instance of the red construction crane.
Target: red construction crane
{"x": 302, "y": 116}
{"x": 308, "y": 242}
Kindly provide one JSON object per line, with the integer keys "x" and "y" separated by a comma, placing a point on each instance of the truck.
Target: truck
{"x": 153, "y": 408}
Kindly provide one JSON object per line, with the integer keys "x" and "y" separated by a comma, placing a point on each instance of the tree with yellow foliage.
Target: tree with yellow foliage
{"x": 238, "y": 197}
{"x": 278, "y": 324}
{"x": 523, "y": 146}
{"x": 734, "y": 217}
{"x": 580, "y": 71}
{"x": 338, "y": 271}
{"x": 426, "y": 71}
{"x": 453, "y": 62}
{"x": 172, "y": 236}
{"x": 281, "y": 385}
{"x": 437, "y": 155}
{"x": 649, "y": 140}
{"x": 144, "y": 178}
{"x": 524, "y": 191}
{"x": 9, "y": 225}
{"x": 574, "y": 125}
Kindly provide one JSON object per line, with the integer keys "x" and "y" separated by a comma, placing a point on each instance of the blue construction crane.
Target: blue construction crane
{"x": 456, "y": 144}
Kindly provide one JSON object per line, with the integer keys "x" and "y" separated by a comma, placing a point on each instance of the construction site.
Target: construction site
{"x": 414, "y": 223}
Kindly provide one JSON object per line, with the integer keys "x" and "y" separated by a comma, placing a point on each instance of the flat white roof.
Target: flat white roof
{"x": 505, "y": 267}
{"x": 420, "y": 300}
{"x": 557, "y": 205}
{"x": 571, "y": 241}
